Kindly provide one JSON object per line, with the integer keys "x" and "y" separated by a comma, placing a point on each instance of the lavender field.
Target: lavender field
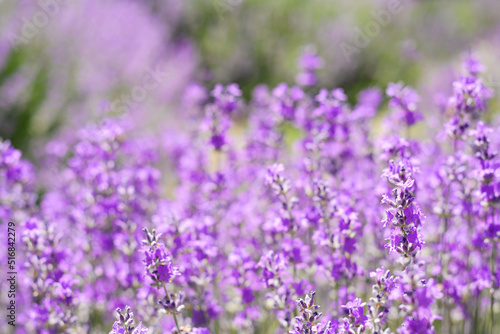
{"x": 250, "y": 166}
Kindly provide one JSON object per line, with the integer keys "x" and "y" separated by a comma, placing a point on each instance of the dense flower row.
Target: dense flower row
{"x": 226, "y": 226}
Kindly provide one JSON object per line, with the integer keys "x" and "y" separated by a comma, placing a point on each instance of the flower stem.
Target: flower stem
{"x": 492, "y": 300}
{"x": 175, "y": 317}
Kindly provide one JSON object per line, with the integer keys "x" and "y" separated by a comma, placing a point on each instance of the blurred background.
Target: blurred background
{"x": 66, "y": 63}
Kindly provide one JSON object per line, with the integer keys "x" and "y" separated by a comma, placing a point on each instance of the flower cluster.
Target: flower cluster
{"x": 308, "y": 319}
{"x": 53, "y": 285}
{"x": 418, "y": 295}
{"x": 225, "y": 222}
{"x": 17, "y": 197}
{"x": 379, "y": 305}
{"x": 468, "y": 101}
{"x": 404, "y": 215}
{"x": 158, "y": 263}
{"x": 356, "y": 319}
{"x": 309, "y": 62}
{"x": 405, "y": 102}
{"x": 124, "y": 323}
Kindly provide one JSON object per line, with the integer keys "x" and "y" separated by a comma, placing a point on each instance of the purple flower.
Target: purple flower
{"x": 226, "y": 98}
{"x": 405, "y": 102}
{"x": 17, "y": 193}
{"x": 251, "y": 218}
{"x": 125, "y": 323}
{"x": 272, "y": 265}
{"x": 404, "y": 215}
{"x": 158, "y": 263}
{"x": 286, "y": 101}
{"x": 357, "y": 318}
{"x": 308, "y": 319}
{"x": 473, "y": 65}
{"x": 216, "y": 123}
{"x": 470, "y": 95}
{"x": 308, "y": 62}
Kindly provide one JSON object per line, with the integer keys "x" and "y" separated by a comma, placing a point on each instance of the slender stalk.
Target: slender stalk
{"x": 337, "y": 297}
{"x": 175, "y": 317}
{"x": 492, "y": 300}
{"x": 218, "y": 160}
{"x": 450, "y": 322}
{"x": 476, "y": 313}
{"x": 447, "y": 319}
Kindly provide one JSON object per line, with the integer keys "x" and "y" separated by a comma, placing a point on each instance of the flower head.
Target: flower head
{"x": 158, "y": 263}
{"x": 124, "y": 323}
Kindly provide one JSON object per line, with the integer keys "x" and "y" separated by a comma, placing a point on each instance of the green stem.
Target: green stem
{"x": 337, "y": 297}
{"x": 492, "y": 300}
{"x": 175, "y": 317}
{"x": 476, "y": 312}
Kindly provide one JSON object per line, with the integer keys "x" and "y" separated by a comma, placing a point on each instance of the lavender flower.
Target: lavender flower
{"x": 404, "y": 215}
{"x": 405, "y": 102}
{"x": 308, "y": 319}
{"x": 378, "y": 305}
{"x": 159, "y": 267}
{"x": 172, "y": 303}
{"x": 286, "y": 101}
{"x": 418, "y": 295}
{"x": 469, "y": 100}
{"x": 470, "y": 95}
{"x": 158, "y": 263}
{"x": 53, "y": 285}
{"x": 124, "y": 323}
{"x": 357, "y": 319}
{"x": 272, "y": 267}
{"x": 217, "y": 124}
{"x": 17, "y": 196}
{"x": 243, "y": 221}
{"x": 308, "y": 63}
{"x": 227, "y": 98}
